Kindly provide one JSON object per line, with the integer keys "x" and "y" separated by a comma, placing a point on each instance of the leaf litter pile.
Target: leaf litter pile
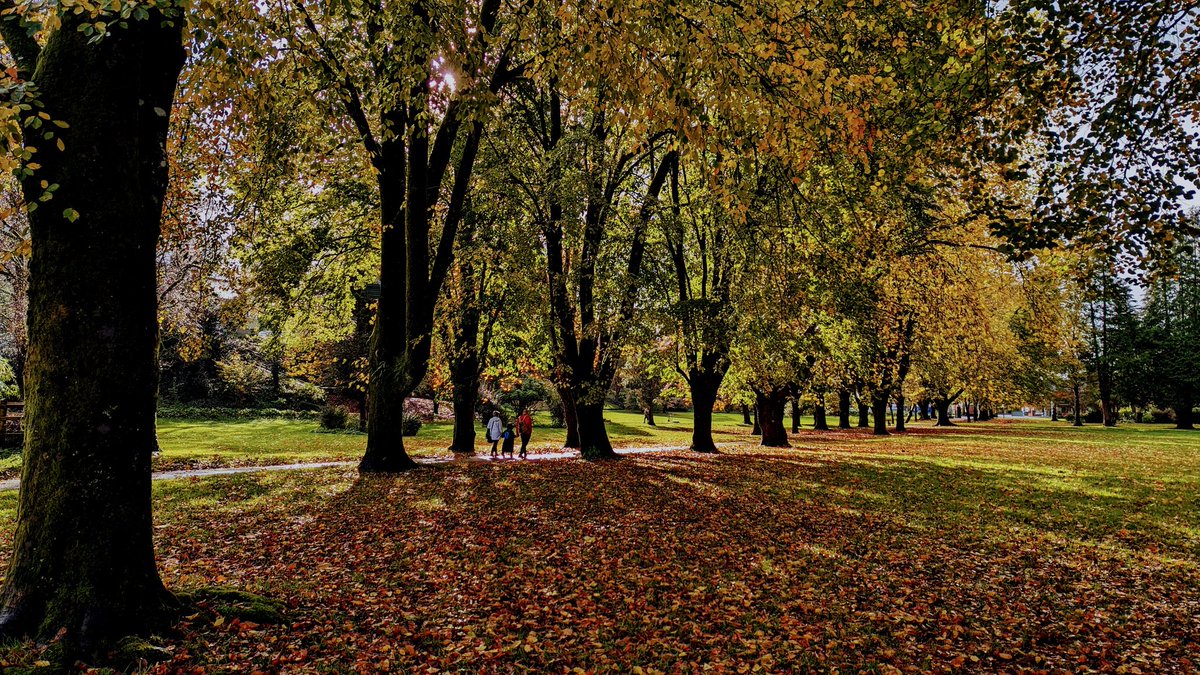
{"x": 747, "y": 561}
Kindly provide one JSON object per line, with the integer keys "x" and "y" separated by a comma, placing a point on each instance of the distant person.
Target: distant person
{"x": 509, "y": 437}
{"x": 494, "y": 429}
{"x": 525, "y": 428}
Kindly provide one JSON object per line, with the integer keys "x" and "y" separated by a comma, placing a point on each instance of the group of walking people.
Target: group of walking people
{"x": 503, "y": 437}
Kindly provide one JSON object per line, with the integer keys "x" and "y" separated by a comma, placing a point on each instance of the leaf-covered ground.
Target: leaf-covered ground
{"x": 1000, "y": 547}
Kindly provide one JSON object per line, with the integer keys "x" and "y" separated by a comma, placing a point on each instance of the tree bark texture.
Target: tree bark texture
{"x": 83, "y": 556}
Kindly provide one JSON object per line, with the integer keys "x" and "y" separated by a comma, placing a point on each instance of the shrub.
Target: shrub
{"x": 300, "y": 394}
{"x": 558, "y": 416}
{"x": 1160, "y": 416}
{"x": 9, "y": 389}
{"x": 242, "y": 380}
{"x": 334, "y": 418}
{"x": 213, "y": 413}
{"x": 411, "y": 425}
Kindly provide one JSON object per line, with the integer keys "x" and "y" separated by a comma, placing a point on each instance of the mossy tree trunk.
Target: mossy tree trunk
{"x": 83, "y": 558}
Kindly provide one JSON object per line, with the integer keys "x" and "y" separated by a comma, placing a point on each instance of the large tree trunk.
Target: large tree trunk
{"x": 943, "y": 413}
{"x": 1108, "y": 411}
{"x": 704, "y": 397}
{"x": 900, "y": 412}
{"x": 464, "y": 360}
{"x": 83, "y": 555}
{"x": 1078, "y": 407}
{"x": 843, "y": 409}
{"x": 570, "y": 418}
{"x": 756, "y": 429}
{"x": 770, "y": 406}
{"x": 879, "y": 405}
{"x": 648, "y": 415}
{"x": 864, "y": 419}
{"x": 746, "y": 415}
{"x": 593, "y": 435}
{"x": 387, "y": 390}
{"x": 1183, "y": 413}
{"x": 466, "y": 397}
{"x": 389, "y": 382}
{"x": 820, "y": 423}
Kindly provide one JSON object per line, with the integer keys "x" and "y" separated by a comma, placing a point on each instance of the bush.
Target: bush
{"x": 554, "y": 406}
{"x": 216, "y": 413}
{"x": 527, "y": 394}
{"x": 242, "y": 380}
{"x": 300, "y": 394}
{"x": 9, "y": 389}
{"x": 411, "y": 425}
{"x": 334, "y": 418}
{"x": 1160, "y": 416}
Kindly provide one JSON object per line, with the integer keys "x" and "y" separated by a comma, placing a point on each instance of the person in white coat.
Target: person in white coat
{"x": 494, "y": 429}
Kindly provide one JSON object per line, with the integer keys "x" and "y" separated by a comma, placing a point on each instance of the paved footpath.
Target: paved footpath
{"x": 15, "y": 483}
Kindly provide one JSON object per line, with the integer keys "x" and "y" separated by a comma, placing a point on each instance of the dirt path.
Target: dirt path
{"x": 13, "y": 484}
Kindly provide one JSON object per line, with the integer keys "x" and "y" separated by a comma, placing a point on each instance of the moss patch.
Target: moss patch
{"x": 234, "y": 603}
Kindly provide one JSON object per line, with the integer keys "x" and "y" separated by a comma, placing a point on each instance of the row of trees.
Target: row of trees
{"x": 1135, "y": 342}
{"x": 777, "y": 193}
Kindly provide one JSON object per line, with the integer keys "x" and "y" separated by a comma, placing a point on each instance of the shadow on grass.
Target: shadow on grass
{"x": 626, "y": 430}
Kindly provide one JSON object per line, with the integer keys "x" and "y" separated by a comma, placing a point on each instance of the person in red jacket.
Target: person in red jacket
{"x": 525, "y": 429}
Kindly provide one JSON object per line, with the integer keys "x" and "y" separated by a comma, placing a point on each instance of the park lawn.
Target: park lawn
{"x": 203, "y": 444}
{"x": 994, "y": 547}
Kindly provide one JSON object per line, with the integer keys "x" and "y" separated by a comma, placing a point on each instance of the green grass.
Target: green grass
{"x": 194, "y": 444}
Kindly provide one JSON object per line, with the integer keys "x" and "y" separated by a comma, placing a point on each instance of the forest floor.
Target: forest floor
{"x": 1002, "y": 546}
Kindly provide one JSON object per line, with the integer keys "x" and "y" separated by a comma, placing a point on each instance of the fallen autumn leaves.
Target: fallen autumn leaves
{"x": 784, "y": 561}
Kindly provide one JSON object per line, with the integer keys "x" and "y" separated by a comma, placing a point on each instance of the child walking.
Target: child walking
{"x": 509, "y": 436}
